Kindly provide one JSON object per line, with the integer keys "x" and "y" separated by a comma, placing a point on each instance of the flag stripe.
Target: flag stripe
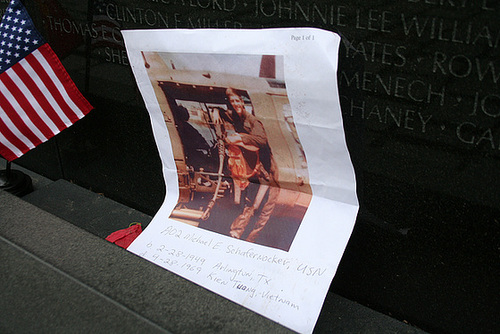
{"x": 22, "y": 107}
{"x": 13, "y": 144}
{"x": 52, "y": 108}
{"x": 6, "y": 152}
{"x": 36, "y": 89}
{"x": 17, "y": 118}
{"x": 15, "y": 135}
{"x": 30, "y": 103}
{"x": 52, "y": 84}
{"x": 72, "y": 96}
{"x": 18, "y": 130}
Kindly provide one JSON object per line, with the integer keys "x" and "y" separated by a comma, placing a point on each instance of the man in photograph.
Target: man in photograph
{"x": 251, "y": 164}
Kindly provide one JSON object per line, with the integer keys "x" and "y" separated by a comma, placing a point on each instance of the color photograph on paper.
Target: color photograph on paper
{"x": 242, "y": 171}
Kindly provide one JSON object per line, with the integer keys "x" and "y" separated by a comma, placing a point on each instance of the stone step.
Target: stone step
{"x": 58, "y": 277}
{"x": 83, "y": 208}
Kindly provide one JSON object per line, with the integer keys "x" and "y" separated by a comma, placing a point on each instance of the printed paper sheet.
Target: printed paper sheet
{"x": 261, "y": 194}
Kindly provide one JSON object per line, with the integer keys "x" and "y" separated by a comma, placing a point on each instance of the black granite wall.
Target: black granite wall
{"x": 419, "y": 87}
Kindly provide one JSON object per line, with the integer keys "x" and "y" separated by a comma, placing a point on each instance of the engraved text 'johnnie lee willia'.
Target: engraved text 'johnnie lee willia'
{"x": 400, "y": 86}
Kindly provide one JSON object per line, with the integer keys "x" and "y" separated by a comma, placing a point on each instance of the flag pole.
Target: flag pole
{"x": 8, "y": 170}
{"x": 15, "y": 181}
{"x": 4, "y": 175}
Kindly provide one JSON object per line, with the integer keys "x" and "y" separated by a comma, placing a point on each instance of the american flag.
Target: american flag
{"x": 38, "y": 99}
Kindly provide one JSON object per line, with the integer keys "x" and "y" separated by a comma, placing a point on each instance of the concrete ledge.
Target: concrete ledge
{"x": 66, "y": 279}
{"x": 83, "y": 208}
{"x": 57, "y": 277}
{"x": 37, "y": 297}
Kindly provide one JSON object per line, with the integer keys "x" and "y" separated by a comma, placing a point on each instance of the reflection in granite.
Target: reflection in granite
{"x": 418, "y": 81}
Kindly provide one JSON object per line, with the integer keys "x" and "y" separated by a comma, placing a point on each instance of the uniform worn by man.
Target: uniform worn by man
{"x": 249, "y": 135}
